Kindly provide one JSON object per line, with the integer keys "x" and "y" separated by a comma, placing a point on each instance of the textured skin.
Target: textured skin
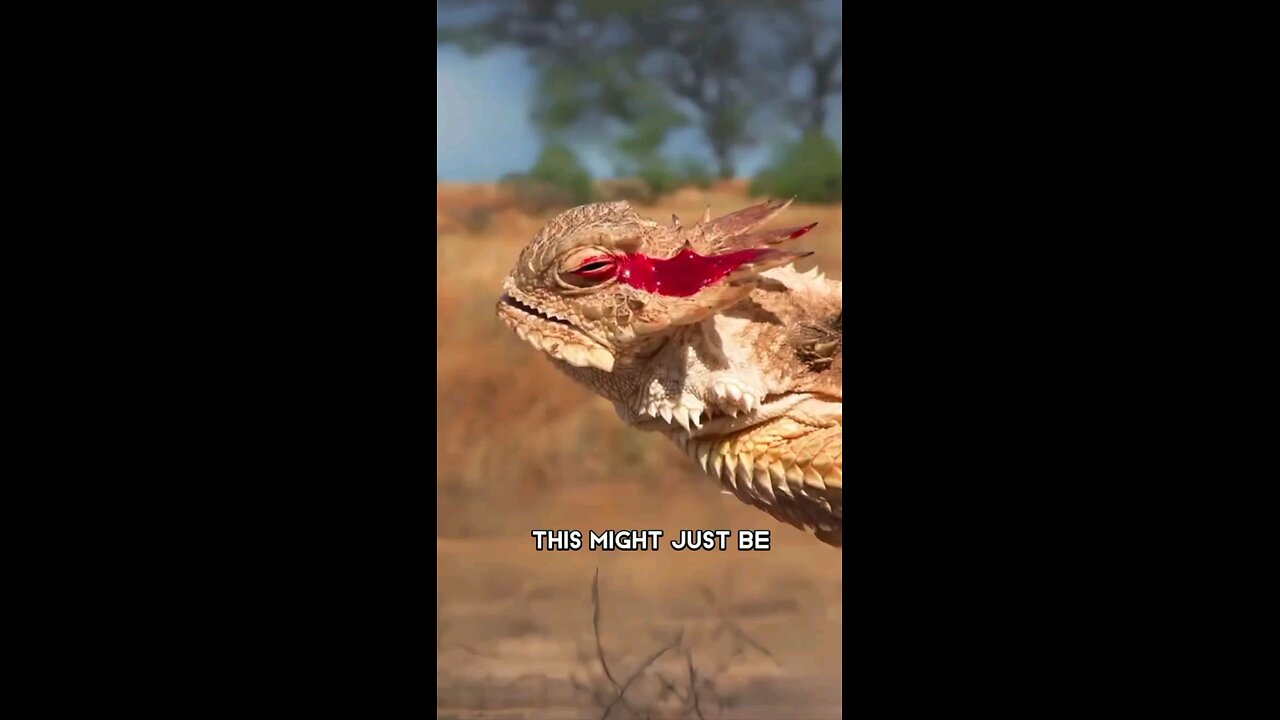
{"x": 744, "y": 375}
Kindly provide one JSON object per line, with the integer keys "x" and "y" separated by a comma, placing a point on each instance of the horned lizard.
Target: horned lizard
{"x": 704, "y": 333}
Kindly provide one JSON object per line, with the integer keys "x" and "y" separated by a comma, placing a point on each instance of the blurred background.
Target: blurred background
{"x": 672, "y": 106}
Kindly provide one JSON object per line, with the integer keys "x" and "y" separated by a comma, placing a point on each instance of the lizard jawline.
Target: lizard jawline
{"x": 554, "y": 336}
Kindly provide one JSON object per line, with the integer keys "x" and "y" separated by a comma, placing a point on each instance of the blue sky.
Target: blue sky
{"x": 482, "y": 115}
{"x": 483, "y": 129}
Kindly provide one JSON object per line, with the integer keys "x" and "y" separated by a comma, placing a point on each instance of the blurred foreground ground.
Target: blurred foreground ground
{"x": 520, "y": 446}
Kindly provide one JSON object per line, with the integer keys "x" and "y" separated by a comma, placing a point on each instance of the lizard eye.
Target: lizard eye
{"x": 587, "y": 268}
{"x": 595, "y": 268}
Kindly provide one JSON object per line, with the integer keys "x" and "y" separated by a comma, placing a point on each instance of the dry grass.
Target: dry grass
{"x": 519, "y": 446}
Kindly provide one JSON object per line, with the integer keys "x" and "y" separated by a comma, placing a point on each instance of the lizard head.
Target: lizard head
{"x": 598, "y": 280}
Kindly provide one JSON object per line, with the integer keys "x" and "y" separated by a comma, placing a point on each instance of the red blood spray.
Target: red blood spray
{"x": 683, "y": 275}
{"x": 679, "y": 276}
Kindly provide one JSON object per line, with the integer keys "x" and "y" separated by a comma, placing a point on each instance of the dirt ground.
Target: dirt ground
{"x": 736, "y": 634}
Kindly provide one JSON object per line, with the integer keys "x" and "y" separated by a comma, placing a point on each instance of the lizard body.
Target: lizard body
{"x": 706, "y": 334}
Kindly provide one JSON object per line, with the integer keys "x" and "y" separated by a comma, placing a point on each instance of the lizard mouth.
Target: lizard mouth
{"x": 528, "y": 309}
{"x": 553, "y": 335}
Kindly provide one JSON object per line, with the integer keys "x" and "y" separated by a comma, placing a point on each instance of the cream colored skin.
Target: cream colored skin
{"x": 744, "y": 376}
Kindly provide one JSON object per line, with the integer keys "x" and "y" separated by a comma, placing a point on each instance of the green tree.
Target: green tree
{"x": 558, "y": 166}
{"x": 557, "y": 179}
{"x": 647, "y": 65}
{"x": 810, "y": 170}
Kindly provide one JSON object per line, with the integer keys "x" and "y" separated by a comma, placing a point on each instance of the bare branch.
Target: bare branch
{"x": 595, "y": 624}
{"x": 693, "y": 686}
{"x": 742, "y": 634}
{"x": 640, "y": 671}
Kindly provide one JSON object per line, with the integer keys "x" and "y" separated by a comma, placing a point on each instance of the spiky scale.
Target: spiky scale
{"x": 822, "y": 463}
{"x": 813, "y": 478}
{"x": 778, "y": 475}
{"x": 702, "y": 451}
{"x": 795, "y": 476}
{"x": 745, "y": 476}
{"x": 730, "y": 461}
{"x": 764, "y": 484}
{"x": 717, "y": 464}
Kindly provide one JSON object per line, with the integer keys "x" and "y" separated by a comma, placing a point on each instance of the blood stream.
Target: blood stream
{"x": 680, "y": 276}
